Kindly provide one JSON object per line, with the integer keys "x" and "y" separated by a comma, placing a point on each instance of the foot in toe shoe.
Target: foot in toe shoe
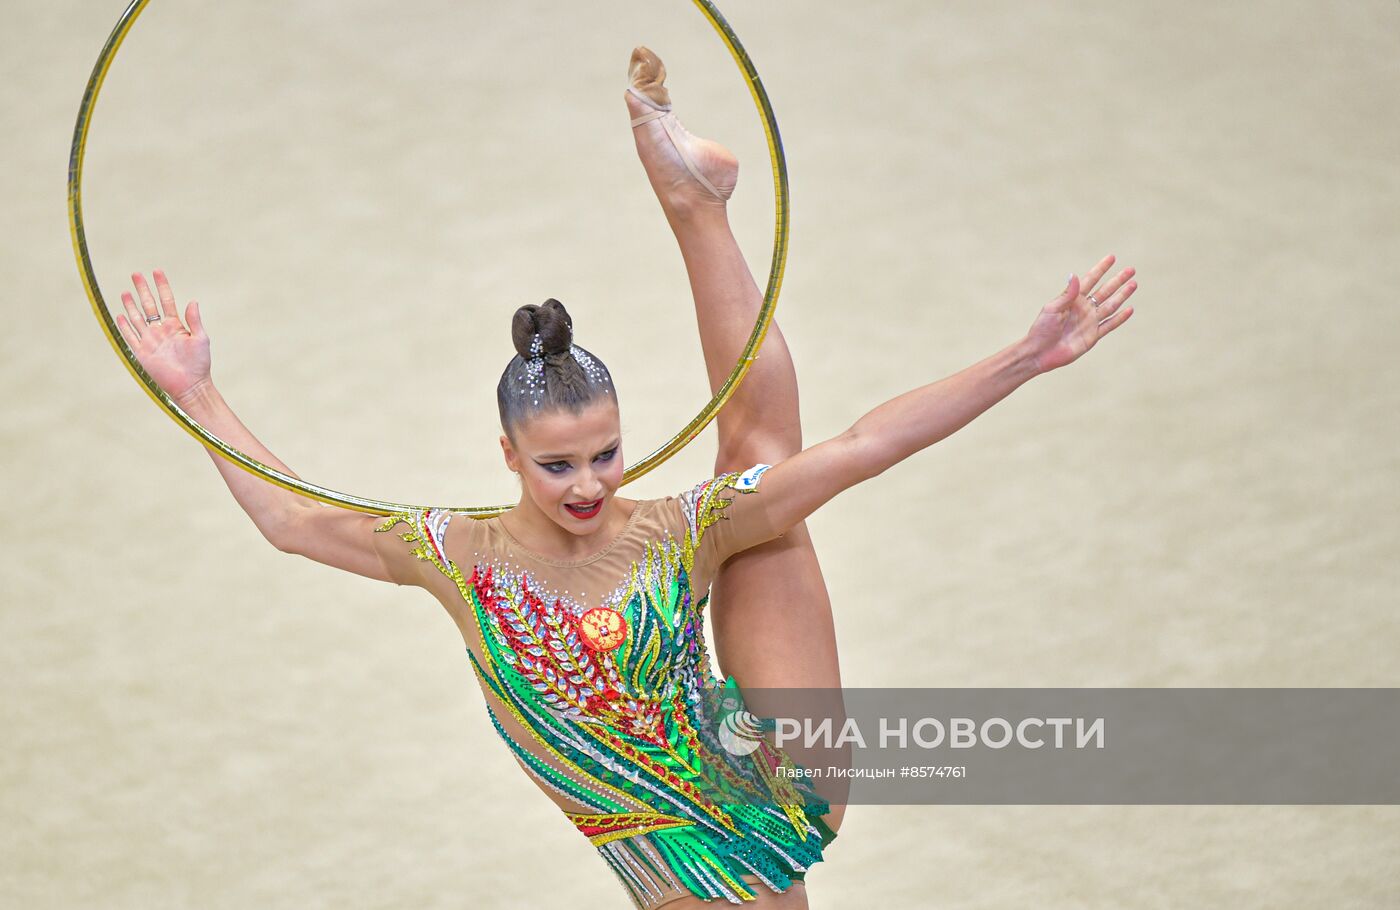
{"x": 685, "y": 171}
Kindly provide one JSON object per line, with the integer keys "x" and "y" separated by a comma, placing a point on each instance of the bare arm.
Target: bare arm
{"x": 177, "y": 358}
{"x": 1067, "y": 328}
{"x": 919, "y": 418}
{"x": 290, "y": 522}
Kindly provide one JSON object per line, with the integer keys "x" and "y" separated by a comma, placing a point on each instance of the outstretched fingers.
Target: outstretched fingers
{"x": 167, "y": 297}
{"x": 1114, "y": 321}
{"x": 127, "y": 332}
{"x": 1092, "y": 276}
{"x": 1110, "y": 298}
{"x": 133, "y": 322}
{"x": 148, "y": 320}
{"x": 148, "y": 300}
{"x": 1111, "y": 314}
{"x": 1111, "y": 286}
{"x": 135, "y": 325}
{"x": 1118, "y": 290}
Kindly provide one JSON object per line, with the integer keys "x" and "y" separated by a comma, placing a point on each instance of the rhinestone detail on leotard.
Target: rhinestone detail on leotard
{"x": 622, "y": 730}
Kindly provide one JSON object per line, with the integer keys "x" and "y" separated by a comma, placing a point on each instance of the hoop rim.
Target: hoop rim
{"x": 384, "y": 507}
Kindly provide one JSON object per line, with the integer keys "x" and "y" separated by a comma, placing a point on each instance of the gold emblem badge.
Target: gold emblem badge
{"x": 602, "y": 628}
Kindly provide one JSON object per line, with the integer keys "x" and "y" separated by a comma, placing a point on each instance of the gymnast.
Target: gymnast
{"x": 581, "y": 611}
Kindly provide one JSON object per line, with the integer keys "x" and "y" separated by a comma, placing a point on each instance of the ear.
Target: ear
{"x": 512, "y": 459}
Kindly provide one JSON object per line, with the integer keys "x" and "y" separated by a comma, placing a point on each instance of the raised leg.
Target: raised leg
{"x": 769, "y": 605}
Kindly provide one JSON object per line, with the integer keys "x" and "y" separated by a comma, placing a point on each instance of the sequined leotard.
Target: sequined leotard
{"x": 597, "y": 677}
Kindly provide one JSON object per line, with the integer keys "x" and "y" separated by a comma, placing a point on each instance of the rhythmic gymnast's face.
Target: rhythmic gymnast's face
{"x": 570, "y": 465}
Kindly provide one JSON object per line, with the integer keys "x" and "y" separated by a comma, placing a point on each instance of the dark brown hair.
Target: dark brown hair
{"x": 548, "y": 372}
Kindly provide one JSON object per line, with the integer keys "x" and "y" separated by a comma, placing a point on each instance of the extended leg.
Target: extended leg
{"x": 770, "y": 607}
{"x": 772, "y": 613}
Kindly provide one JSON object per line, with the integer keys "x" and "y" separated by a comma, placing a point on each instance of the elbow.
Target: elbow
{"x": 867, "y": 457}
{"x": 283, "y": 535}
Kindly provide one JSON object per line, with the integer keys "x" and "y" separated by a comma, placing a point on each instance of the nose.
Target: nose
{"x": 588, "y": 487}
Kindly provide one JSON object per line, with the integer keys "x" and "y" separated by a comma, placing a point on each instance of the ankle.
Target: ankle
{"x": 690, "y": 213}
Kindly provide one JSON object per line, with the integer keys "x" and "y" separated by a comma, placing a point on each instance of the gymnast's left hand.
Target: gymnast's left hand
{"x": 1071, "y": 324}
{"x": 176, "y": 357}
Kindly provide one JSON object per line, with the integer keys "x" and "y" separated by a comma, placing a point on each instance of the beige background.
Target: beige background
{"x": 360, "y": 194}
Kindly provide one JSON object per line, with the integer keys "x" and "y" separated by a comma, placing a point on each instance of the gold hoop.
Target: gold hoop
{"x": 375, "y": 506}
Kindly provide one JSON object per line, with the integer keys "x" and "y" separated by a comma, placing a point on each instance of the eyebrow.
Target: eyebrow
{"x": 614, "y": 445}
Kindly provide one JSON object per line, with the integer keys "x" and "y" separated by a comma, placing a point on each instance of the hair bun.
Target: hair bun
{"x": 549, "y": 370}
{"x": 550, "y": 320}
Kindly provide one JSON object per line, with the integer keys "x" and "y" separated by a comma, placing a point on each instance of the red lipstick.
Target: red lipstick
{"x": 593, "y": 508}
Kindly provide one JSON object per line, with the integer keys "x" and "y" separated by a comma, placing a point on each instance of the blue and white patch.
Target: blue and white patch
{"x": 748, "y": 481}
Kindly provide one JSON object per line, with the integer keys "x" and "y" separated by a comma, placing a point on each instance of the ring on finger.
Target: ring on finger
{"x": 1094, "y": 299}
{"x": 152, "y": 317}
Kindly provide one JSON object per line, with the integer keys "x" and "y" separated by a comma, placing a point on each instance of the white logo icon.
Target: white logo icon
{"x": 740, "y": 733}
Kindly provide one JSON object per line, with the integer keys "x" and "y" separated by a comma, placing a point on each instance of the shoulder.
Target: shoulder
{"x": 424, "y": 537}
{"x": 705, "y": 503}
{"x": 717, "y": 517}
{"x": 697, "y": 508}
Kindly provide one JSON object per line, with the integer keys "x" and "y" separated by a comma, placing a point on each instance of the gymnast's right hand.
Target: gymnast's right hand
{"x": 176, "y": 357}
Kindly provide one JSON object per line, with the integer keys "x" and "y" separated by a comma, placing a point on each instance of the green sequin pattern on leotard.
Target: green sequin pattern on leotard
{"x": 626, "y": 731}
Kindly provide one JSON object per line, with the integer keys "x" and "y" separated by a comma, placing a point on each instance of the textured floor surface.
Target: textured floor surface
{"x": 360, "y": 194}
